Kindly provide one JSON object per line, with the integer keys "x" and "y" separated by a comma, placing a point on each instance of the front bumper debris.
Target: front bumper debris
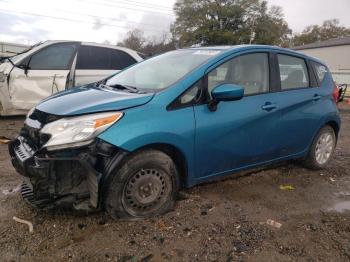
{"x": 69, "y": 178}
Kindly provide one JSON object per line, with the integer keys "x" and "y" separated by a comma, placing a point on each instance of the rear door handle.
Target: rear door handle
{"x": 316, "y": 97}
{"x": 269, "y": 106}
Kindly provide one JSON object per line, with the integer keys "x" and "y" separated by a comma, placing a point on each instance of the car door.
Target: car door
{"x": 46, "y": 73}
{"x": 299, "y": 104}
{"x": 239, "y": 133}
{"x": 95, "y": 63}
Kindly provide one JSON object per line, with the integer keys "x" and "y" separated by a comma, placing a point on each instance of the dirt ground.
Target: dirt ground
{"x": 220, "y": 221}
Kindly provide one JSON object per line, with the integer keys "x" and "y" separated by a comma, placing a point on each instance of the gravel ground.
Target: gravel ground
{"x": 220, "y": 221}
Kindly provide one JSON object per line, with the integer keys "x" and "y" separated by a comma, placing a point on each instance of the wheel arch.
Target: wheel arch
{"x": 330, "y": 120}
{"x": 310, "y": 158}
{"x": 333, "y": 124}
{"x": 122, "y": 156}
{"x": 175, "y": 154}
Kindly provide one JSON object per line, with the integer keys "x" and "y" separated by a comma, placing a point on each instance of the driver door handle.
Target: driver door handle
{"x": 268, "y": 106}
{"x": 316, "y": 97}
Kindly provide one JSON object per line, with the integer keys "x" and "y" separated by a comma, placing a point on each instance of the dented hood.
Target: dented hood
{"x": 91, "y": 99}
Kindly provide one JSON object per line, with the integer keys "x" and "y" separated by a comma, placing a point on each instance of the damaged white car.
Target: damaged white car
{"x": 53, "y": 66}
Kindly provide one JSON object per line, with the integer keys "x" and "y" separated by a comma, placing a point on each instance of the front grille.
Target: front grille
{"x": 22, "y": 151}
{"x": 28, "y": 196}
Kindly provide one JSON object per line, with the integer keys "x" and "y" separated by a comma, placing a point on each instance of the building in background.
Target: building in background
{"x": 10, "y": 49}
{"x": 335, "y": 53}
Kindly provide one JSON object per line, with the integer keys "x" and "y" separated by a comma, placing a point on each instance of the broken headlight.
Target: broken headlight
{"x": 78, "y": 131}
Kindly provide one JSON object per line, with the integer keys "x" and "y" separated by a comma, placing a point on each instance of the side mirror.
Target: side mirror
{"x": 225, "y": 92}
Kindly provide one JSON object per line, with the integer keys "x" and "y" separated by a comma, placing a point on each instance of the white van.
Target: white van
{"x": 53, "y": 66}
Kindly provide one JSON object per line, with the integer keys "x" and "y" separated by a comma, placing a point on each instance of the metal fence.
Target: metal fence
{"x": 8, "y": 49}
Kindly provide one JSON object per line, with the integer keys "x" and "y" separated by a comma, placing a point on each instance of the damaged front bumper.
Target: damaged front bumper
{"x": 68, "y": 178}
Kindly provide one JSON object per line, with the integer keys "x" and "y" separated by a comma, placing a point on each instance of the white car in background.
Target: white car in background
{"x": 53, "y": 66}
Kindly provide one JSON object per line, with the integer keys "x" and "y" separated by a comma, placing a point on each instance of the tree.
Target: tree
{"x": 158, "y": 45}
{"x": 314, "y": 33}
{"x": 271, "y": 28}
{"x": 219, "y": 22}
{"x": 136, "y": 40}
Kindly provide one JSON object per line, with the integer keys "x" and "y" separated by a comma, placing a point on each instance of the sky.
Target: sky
{"x": 107, "y": 21}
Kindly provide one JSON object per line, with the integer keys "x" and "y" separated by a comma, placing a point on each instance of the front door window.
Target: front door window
{"x": 250, "y": 71}
{"x": 55, "y": 57}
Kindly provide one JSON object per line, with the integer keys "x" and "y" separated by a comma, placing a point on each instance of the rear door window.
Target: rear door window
{"x": 293, "y": 72}
{"x": 120, "y": 59}
{"x": 91, "y": 57}
{"x": 54, "y": 57}
{"x": 100, "y": 58}
{"x": 320, "y": 71}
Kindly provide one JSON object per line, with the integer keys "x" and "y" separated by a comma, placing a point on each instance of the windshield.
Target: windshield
{"x": 16, "y": 58}
{"x": 161, "y": 71}
{"x": 23, "y": 54}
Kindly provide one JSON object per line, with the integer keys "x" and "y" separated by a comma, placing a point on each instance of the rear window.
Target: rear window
{"x": 293, "y": 72}
{"x": 100, "y": 58}
{"x": 320, "y": 71}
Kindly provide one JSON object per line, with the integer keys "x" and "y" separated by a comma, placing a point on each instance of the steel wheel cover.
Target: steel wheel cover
{"x": 146, "y": 191}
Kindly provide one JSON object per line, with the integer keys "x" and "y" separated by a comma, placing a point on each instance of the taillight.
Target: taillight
{"x": 335, "y": 93}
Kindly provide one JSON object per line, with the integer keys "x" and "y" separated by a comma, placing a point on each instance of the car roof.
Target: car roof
{"x": 228, "y": 49}
{"x": 86, "y": 43}
{"x": 131, "y": 52}
{"x": 125, "y": 49}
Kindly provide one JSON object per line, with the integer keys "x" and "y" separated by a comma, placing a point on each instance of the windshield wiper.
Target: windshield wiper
{"x": 132, "y": 89}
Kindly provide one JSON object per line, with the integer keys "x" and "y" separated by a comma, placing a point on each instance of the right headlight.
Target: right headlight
{"x": 78, "y": 131}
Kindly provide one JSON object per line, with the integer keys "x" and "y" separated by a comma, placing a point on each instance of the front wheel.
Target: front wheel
{"x": 143, "y": 187}
{"x": 322, "y": 149}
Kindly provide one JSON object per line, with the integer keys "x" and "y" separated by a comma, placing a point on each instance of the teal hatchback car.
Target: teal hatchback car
{"x": 127, "y": 144}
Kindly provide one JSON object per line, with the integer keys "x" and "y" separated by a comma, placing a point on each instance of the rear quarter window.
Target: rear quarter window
{"x": 120, "y": 59}
{"x": 101, "y": 58}
{"x": 320, "y": 71}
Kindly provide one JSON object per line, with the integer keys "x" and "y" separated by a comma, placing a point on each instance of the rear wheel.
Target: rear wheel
{"x": 143, "y": 187}
{"x": 322, "y": 149}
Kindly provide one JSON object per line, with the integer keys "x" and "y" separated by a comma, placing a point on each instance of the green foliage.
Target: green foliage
{"x": 314, "y": 33}
{"x": 230, "y": 22}
{"x": 136, "y": 40}
{"x": 220, "y": 22}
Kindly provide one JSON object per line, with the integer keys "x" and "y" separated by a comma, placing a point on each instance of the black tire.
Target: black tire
{"x": 144, "y": 186}
{"x": 311, "y": 159}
